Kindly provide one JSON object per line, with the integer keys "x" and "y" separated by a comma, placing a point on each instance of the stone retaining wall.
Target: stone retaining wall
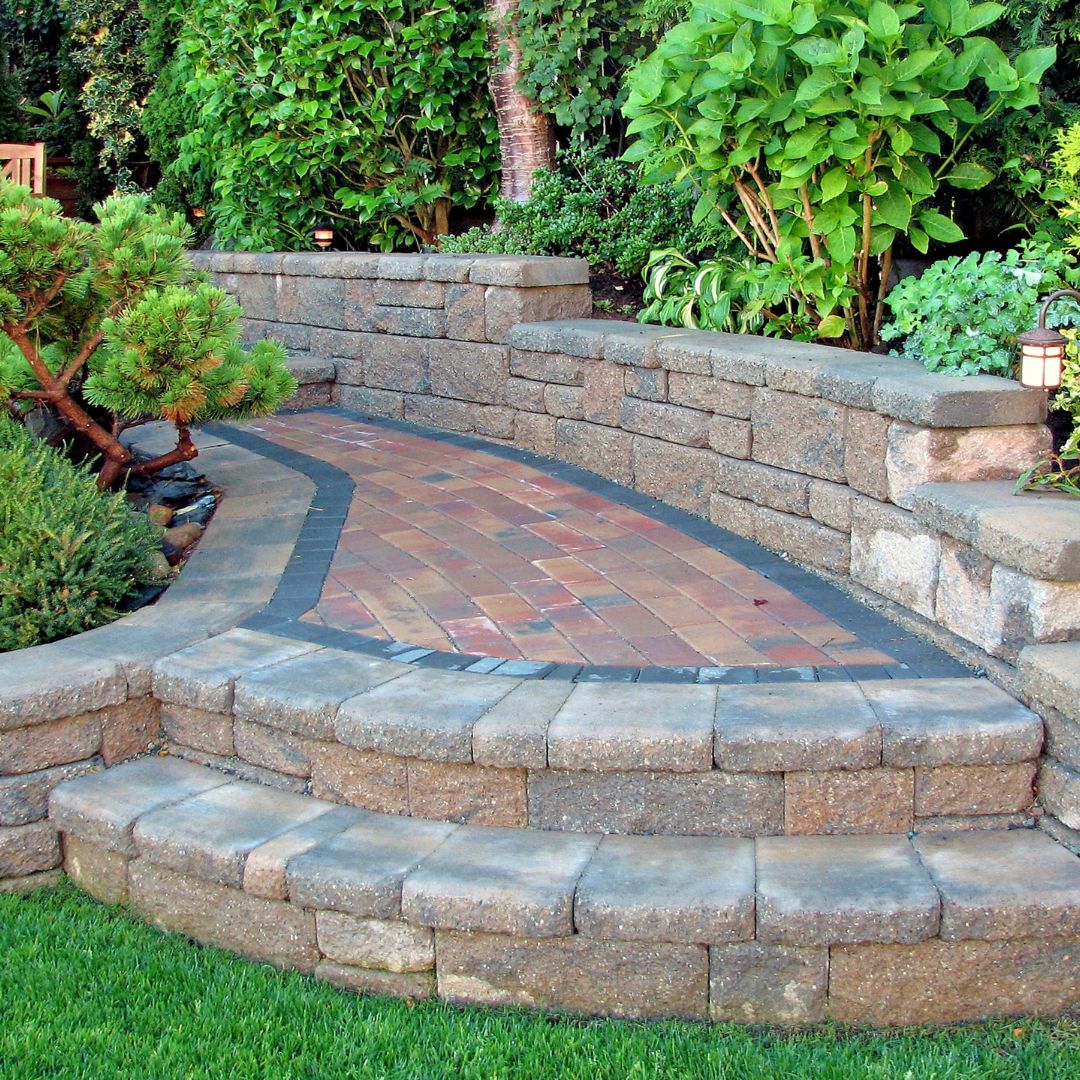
{"x": 821, "y": 453}
{"x": 795, "y": 759}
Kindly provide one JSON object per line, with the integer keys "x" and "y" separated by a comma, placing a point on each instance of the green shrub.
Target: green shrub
{"x": 819, "y": 133}
{"x": 376, "y": 116}
{"x": 68, "y": 554}
{"x": 962, "y": 316}
{"x": 593, "y": 208}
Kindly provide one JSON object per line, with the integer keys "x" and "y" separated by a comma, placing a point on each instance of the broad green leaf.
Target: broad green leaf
{"x": 939, "y": 227}
{"x": 833, "y": 183}
{"x": 894, "y": 207}
{"x": 982, "y": 15}
{"x": 969, "y": 175}
{"x": 883, "y": 20}
{"x": 1031, "y": 65}
{"x": 832, "y": 326}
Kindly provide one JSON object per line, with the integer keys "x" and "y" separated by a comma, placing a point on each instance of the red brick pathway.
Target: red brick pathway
{"x": 462, "y": 550}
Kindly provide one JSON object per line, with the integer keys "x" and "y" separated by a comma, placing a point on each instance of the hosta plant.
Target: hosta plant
{"x": 819, "y": 133}
{"x": 103, "y": 326}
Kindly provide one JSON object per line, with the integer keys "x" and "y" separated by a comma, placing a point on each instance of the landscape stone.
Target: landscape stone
{"x": 606, "y": 726}
{"x": 801, "y": 434}
{"x": 1051, "y": 675}
{"x": 360, "y": 871}
{"x": 1003, "y": 885}
{"x": 786, "y": 727}
{"x": 129, "y": 729}
{"x": 408, "y": 985}
{"x": 472, "y": 372}
{"x": 973, "y": 789}
{"x": 690, "y": 804}
{"x": 602, "y": 450}
{"x": 1059, "y": 791}
{"x": 56, "y": 742}
{"x": 918, "y": 455}
{"x": 755, "y": 983}
{"x": 200, "y": 729}
{"x": 865, "y": 445}
{"x": 273, "y": 749}
{"x": 667, "y": 888}
{"x": 848, "y": 801}
{"x": 96, "y": 870}
{"x": 384, "y": 944}
{"x": 103, "y": 808}
{"x": 24, "y": 797}
{"x": 360, "y": 778}
{"x": 710, "y": 394}
{"x": 1024, "y": 610}
{"x": 427, "y": 714}
{"x": 680, "y": 475}
{"x": 450, "y": 791}
{"x": 28, "y": 849}
{"x": 941, "y": 982}
{"x": 266, "y": 930}
{"x": 209, "y": 836}
{"x": 832, "y": 890}
{"x": 673, "y": 423}
{"x": 44, "y": 684}
{"x": 203, "y": 675}
{"x": 514, "y": 731}
{"x": 952, "y": 722}
{"x": 503, "y": 881}
{"x": 265, "y": 866}
{"x": 302, "y": 695}
{"x": 565, "y": 402}
{"x": 765, "y": 485}
{"x": 604, "y": 388}
{"x": 830, "y": 504}
{"x": 631, "y": 980}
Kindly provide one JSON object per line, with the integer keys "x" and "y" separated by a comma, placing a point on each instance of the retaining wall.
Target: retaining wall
{"x": 821, "y": 453}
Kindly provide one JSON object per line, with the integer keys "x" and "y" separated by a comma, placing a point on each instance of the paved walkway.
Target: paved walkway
{"x": 459, "y": 547}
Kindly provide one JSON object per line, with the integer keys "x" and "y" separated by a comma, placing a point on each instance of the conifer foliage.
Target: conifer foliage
{"x": 108, "y": 326}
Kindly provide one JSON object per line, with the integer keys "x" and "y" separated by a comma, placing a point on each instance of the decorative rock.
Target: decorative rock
{"x": 754, "y": 983}
{"x": 830, "y": 890}
{"x": 574, "y": 974}
{"x": 258, "y": 929}
{"x": 952, "y": 722}
{"x": 160, "y": 515}
{"x": 942, "y": 982}
{"x": 677, "y": 889}
{"x": 606, "y": 726}
{"x": 181, "y": 537}
{"x": 209, "y": 836}
{"x": 503, "y": 881}
{"x": 837, "y": 802}
{"x": 1003, "y": 885}
{"x": 360, "y": 870}
{"x": 375, "y": 943}
{"x": 786, "y": 727}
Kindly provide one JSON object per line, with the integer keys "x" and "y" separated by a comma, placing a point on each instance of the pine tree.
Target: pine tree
{"x": 109, "y": 327}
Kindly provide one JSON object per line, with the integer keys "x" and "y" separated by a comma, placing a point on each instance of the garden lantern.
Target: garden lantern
{"x": 198, "y": 213}
{"x": 324, "y": 235}
{"x": 1042, "y": 350}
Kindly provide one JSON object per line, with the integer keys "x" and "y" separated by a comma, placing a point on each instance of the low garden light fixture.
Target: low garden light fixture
{"x": 198, "y": 213}
{"x": 323, "y": 235}
{"x": 1042, "y": 350}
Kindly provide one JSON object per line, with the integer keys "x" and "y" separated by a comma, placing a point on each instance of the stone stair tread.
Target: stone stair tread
{"x": 809, "y": 890}
{"x": 1038, "y": 534}
{"x": 380, "y": 705}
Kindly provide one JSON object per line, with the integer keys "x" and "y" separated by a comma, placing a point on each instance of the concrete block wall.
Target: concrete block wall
{"x": 821, "y": 453}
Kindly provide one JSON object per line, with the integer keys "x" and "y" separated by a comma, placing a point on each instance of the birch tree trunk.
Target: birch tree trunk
{"x": 526, "y": 138}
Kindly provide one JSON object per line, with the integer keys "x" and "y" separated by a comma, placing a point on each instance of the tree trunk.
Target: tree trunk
{"x": 526, "y": 138}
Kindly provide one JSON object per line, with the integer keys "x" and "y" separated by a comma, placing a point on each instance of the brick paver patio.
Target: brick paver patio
{"x": 462, "y": 550}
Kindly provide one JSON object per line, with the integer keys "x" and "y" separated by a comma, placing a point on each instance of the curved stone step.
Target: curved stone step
{"x": 799, "y": 758}
{"x": 883, "y": 929}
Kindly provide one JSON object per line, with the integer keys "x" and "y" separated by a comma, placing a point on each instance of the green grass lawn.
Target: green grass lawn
{"x": 87, "y": 991}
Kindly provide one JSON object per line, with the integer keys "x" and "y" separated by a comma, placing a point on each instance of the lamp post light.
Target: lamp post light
{"x": 1042, "y": 350}
{"x": 198, "y": 213}
{"x": 323, "y": 235}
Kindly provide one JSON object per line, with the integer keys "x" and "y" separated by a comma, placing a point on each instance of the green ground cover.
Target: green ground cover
{"x": 87, "y": 991}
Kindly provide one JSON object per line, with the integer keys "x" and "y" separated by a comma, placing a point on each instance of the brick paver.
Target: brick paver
{"x": 460, "y": 550}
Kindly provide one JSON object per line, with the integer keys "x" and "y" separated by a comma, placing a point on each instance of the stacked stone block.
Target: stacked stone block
{"x": 822, "y": 453}
{"x": 800, "y": 759}
{"x": 781, "y": 930}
